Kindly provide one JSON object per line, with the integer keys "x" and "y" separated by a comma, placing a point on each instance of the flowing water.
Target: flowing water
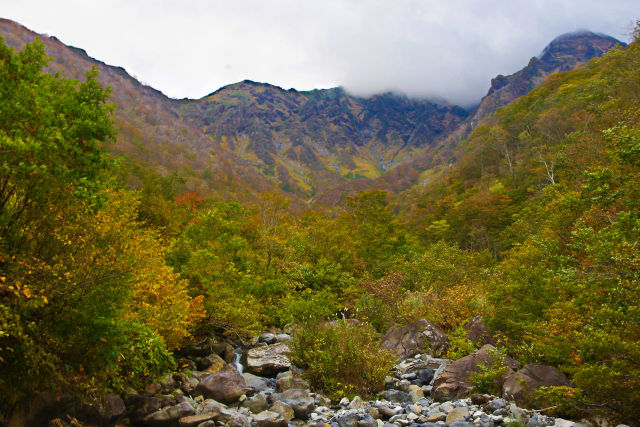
{"x": 237, "y": 357}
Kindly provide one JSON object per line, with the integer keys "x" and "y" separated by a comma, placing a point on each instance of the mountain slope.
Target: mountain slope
{"x": 316, "y": 145}
{"x": 312, "y": 140}
{"x": 564, "y": 53}
{"x": 150, "y": 132}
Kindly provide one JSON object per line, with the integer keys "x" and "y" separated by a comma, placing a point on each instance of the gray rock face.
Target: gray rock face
{"x": 409, "y": 340}
{"x": 521, "y": 386}
{"x": 268, "y": 360}
{"x": 225, "y": 386}
{"x": 299, "y": 400}
{"x": 454, "y": 382}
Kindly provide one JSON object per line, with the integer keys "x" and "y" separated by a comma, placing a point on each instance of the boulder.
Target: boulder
{"x": 454, "y": 381}
{"x": 269, "y": 419}
{"x": 521, "y": 386}
{"x": 349, "y": 419}
{"x": 357, "y": 403}
{"x": 141, "y": 406}
{"x": 287, "y": 380}
{"x": 232, "y": 418}
{"x": 267, "y": 338}
{"x": 256, "y": 403}
{"x": 224, "y": 350}
{"x": 212, "y": 363}
{"x": 409, "y": 340}
{"x": 196, "y": 420}
{"x": 367, "y": 421}
{"x": 225, "y": 386}
{"x": 397, "y": 396}
{"x": 104, "y": 411}
{"x": 299, "y": 400}
{"x": 478, "y": 333}
{"x": 283, "y": 409}
{"x": 283, "y": 338}
{"x": 268, "y": 360}
{"x": 169, "y": 416}
{"x": 255, "y": 383}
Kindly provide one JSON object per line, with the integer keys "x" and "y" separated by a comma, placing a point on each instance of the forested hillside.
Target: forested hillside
{"x": 313, "y": 146}
{"x": 535, "y": 227}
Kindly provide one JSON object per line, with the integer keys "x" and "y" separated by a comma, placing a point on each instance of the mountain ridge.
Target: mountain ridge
{"x": 315, "y": 145}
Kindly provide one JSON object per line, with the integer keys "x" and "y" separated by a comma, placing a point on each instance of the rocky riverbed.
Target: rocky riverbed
{"x": 212, "y": 388}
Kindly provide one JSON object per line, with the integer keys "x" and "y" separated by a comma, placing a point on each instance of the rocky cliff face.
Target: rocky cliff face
{"x": 564, "y": 53}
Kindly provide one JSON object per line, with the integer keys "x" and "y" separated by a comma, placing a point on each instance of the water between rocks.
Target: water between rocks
{"x": 237, "y": 360}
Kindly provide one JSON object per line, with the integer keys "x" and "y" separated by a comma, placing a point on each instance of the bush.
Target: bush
{"x": 340, "y": 359}
{"x": 306, "y": 307}
{"x": 460, "y": 345}
{"x": 490, "y": 376}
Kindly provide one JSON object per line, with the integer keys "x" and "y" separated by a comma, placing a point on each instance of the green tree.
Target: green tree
{"x": 81, "y": 283}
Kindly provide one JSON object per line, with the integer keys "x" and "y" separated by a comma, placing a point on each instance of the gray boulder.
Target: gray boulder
{"x": 256, "y": 403}
{"x": 409, "y": 340}
{"x": 299, "y": 400}
{"x": 268, "y": 360}
{"x": 254, "y": 382}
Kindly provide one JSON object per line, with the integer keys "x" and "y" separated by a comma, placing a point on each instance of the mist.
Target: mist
{"x": 429, "y": 48}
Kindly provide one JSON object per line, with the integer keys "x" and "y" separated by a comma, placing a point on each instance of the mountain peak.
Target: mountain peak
{"x": 564, "y": 53}
{"x": 581, "y": 45}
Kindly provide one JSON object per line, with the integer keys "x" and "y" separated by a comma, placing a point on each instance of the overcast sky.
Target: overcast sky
{"x": 424, "y": 48}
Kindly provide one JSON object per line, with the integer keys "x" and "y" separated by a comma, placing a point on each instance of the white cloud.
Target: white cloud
{"x": 444, "y": 48}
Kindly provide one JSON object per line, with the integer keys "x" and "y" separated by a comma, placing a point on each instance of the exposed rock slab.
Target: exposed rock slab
{"x": 414, "y": 338}
{"x": 268, "y": 360}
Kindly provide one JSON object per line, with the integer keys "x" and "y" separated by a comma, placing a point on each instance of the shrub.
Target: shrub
{"x": 306, "y": 307}
{"x": 460, "y": 345}
{"x": 340, "y": 359}
{"x": 489, "y": 377}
